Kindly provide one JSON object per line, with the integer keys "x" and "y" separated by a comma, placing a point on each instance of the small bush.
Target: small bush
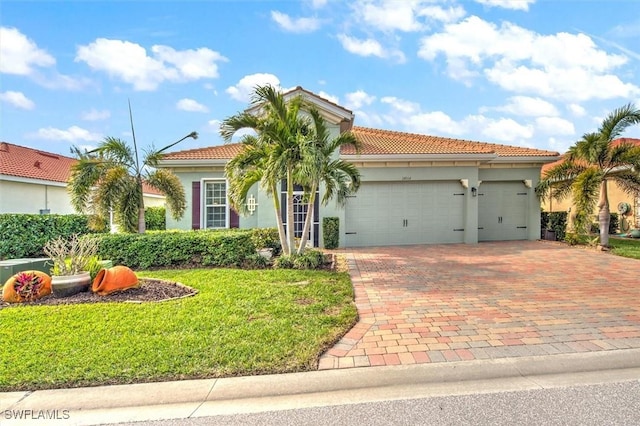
{"x": 331, "y": 232}
{"x": 155, "y": 218}
{"x": 154, "y": 249}
{"x": 310, "y": 259}
{"x": 266, "y": 238}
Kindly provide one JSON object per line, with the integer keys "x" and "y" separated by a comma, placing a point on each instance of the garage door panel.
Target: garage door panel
{"x": 502, "y": 211}
{"x": 396, "y": 213}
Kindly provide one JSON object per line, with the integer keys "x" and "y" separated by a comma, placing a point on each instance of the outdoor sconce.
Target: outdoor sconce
{"x": 474, "y": 191}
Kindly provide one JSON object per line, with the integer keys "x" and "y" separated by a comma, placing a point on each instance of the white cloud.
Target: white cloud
{"x": 191, "y": 105}
{"x": 96, "y": 115}
{"x": 508, "y": 4}
{"x": 17, "y": 99}
{"x": 329, "y": 97}
{"x": 369, "y": 47}
{"x": 358, "y": 99}
{"x": 317, "y": 4}
{"x": 297, "y": 25}
{"x": 529, "y": 107}
{"x": 388, "y": 15}
{"x": 401, "y": 105}
{"x": 130, "y": 62}
{"x": 439, "y": 13}
{"x": 72, "y": 134}
{"x": 213, "y": 125}
{"x": 561, "y": 66}
{"x": 555, "y": 126}
{"x": 577, "y": 110}
{"x": 21, "y": 55}
{"x": 504, "y": 129}
{"x": 244, "y": 89}
{"x": 436, "y": 122}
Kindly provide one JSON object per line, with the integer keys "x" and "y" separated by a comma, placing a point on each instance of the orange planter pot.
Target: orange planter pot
{"x": 10, "y": 295}
{"x": 114, "y": 279}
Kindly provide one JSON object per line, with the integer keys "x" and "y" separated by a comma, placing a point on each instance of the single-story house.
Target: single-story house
{"x": 416, "y": 189}
{"x": 619, "y": 201}
{"x": 34, "y": 181}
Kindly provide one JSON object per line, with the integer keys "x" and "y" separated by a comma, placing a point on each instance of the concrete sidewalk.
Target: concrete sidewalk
{"x": 199, "y": 398}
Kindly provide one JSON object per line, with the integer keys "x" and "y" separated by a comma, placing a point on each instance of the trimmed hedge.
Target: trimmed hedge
{"x": 220, "y": 248}
{"x": 24, "y": 235}
{"x": 155, "y": 218}
{"x": 331, "y": 232}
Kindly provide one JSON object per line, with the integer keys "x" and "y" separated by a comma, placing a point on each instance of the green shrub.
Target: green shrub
{"x": 24, "y": 235}
{"x": 309, "y": 259}
{"x": 331, "y": 232}
{"x": 266, "y": 238}
{"x": 153, "y": 249}
{"x": 155, "y": 218}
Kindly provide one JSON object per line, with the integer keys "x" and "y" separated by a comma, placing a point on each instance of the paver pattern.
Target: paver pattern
{"x": 439, "y": 303}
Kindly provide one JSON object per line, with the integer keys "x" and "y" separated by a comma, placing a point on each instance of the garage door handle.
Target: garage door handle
{"x": 350, "y": 233}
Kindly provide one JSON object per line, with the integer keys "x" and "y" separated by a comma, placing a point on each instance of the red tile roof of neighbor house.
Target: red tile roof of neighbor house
{"x": 384, "y": 142}
{"x": 632, "y": 141}
{"x": 23, "y": 162}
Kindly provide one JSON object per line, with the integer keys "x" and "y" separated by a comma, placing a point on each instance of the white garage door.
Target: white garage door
{"x": 502, "y": 211}
{"x": 397, "y": 213}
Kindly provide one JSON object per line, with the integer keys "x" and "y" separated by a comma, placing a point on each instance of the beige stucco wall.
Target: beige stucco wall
{"x": 616, "y": 196}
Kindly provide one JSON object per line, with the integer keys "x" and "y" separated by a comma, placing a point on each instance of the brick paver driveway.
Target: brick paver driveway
{"x": 421, "y": 304}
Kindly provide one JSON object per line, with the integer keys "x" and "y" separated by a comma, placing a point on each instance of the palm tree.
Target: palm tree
{"x": 111, "y": 177}
{"x": 591, "y": 163}
{"x": 338, "y": 177}
{"x": 270, "y": 156}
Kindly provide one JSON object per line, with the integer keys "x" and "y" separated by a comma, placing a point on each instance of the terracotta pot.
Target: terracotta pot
{"x": 9, "y": 293}
{"x": 114, "y": 279}
{"x": 68, "y": 285}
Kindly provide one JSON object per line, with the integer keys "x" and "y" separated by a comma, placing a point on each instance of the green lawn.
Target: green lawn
{"x": 241, "y": 323}
{"x": 625, "y": 247}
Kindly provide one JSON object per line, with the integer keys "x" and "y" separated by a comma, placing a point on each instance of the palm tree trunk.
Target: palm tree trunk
{"x": 283, "y": 237}
{"x": 604, "y": 216}
{"x": 308, "y": 220}
{"x": 290, "y": 225}
{"x": 142, "y": 226}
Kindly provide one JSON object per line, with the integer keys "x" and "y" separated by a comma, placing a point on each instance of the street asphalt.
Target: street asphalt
{"x": 255, "y": 394}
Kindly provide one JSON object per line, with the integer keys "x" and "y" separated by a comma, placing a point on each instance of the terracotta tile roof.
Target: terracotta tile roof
{"x": 380, "y": 142}
{"x": 632, "y": 141}
{"x": 218, "y": 152}
{"x": 20, "y": 161}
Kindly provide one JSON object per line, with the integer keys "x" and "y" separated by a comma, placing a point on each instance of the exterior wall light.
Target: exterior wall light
{"x": 474, "y": 191}
{"x": 251, "y": 204}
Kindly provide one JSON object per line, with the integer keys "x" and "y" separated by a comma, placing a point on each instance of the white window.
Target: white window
{"x": 216, "y": 210}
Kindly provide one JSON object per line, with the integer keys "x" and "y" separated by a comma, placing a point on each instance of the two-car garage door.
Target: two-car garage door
{"x": 433, "y": 212}
{"x": 396, "y": 213}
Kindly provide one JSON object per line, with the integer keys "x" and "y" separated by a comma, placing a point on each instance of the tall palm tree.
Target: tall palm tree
{"x": 111, "y": 177}
{"x": 591, "y": 163}
{"x": 320, "y": 166}
{"x": 270, "y": 156}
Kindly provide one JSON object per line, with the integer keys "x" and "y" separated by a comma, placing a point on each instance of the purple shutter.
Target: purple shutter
{"x": 195, "y": 205}
{"x": 234, "y": 219}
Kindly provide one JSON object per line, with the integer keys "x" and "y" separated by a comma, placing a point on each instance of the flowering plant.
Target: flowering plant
{"x": 27, "y": 285}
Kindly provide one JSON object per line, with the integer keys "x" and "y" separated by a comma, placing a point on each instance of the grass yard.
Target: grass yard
{"x": 241, "y": 323}
{"x": 625, "y": 247}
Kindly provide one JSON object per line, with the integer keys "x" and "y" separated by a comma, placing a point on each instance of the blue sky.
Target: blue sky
{"x": 536, "y": 73}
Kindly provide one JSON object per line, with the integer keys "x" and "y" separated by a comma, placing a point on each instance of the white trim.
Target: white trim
{"x": 526, "y": 159}
{"x": 203, "y": 205}
{"x": 33, "y": 181}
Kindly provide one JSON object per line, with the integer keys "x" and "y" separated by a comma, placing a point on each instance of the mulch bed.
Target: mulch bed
{"x": 150, "y": 290}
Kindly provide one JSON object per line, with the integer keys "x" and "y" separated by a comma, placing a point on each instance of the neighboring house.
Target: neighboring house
{"x": 34, "y": 181}
{"x": 619, "y": 201}
{"x": 416, "y": 189}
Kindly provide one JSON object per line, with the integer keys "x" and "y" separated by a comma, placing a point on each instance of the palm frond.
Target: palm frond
{"x": 169, "y": 184}
{"x": 618, "y": 121}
